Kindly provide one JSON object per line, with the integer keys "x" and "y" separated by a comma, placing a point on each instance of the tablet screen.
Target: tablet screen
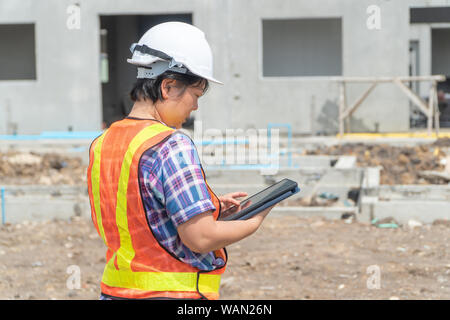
{"x": 261, "y": 198}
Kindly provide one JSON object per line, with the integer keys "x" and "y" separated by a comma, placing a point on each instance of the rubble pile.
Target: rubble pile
{"x": 400, "y": 165}
{"x": 45, "y": 169}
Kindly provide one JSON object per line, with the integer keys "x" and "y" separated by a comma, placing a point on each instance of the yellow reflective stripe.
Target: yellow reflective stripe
{"x": 95, "y": 181}
{"x": 160, "y": 281}
{"x": 126, "y": 252}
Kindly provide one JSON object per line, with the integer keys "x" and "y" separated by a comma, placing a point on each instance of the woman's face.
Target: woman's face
{"x": 179, "y": 102}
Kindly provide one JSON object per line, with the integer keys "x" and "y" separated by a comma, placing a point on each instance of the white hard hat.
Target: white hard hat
{"x": 173, "y": 46}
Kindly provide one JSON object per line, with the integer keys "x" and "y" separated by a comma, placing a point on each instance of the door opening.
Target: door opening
{"x": 117, "y": 33}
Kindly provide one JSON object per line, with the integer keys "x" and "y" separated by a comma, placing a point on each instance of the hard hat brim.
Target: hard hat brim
{"x": 210, "y": 79}
{"x": 151, "y": 60}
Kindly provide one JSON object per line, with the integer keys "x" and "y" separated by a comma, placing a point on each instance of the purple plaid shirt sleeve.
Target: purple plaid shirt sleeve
{"x": 186, "y": 194}
{"x": 173, "y": 191}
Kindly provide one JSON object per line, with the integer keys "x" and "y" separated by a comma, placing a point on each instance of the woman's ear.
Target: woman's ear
{"x": 166, "y": 86}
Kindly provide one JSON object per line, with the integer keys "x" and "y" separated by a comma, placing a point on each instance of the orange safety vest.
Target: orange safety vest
{"x": 138, "y": 266}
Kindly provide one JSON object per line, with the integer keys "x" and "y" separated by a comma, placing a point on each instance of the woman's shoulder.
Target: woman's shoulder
{"x": 177, "y": 142}
{"x": 178, "y": 147}
{"x": 178, "y": 138}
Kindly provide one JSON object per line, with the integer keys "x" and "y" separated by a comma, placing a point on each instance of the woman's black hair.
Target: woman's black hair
{"x": 150, "y": 89}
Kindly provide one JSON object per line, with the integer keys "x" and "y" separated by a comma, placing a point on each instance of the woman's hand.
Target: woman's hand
{"x": 203, "y": 234}
{"x": 259, "y": 217}
{"x": 229, "y": 199}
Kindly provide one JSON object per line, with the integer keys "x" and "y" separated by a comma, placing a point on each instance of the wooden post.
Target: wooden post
{"x": 347, "y": 118}
{"x": 430, "y": 109}
{"x": 436, "y": 109}
{"x": 341, "y": 108}
{"x": 313, "y": 114}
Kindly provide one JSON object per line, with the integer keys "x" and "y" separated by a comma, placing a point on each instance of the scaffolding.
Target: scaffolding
{"x": 430, "y": 108}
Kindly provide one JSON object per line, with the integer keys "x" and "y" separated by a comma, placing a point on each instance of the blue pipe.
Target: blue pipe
{"x": 3, "y": 206}
{"x": 282, "y": 125}
{"x": 54, "y": 135}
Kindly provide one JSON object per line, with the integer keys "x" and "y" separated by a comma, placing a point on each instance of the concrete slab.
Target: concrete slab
{"x": 424, "y": 203}
{"x": 403, "y": 211}
{"x": 345, "y": 162}
{"x": 18, "y": 209}
{"x": 411, "y": 192}
{"x": 366, "y": 210}
{"x": 371, "y": 177}
{"x": 332, "y": 213}
{"x": 35, "y": 202}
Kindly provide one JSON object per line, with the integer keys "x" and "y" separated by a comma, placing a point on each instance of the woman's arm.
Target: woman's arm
{"x": 203, "y": 234}
{"x": 199, "y": 232}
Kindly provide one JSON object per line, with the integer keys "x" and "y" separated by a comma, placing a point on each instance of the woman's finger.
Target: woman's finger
{"x": 234, "y": 195}
{"x": 231, "y": 200}
{"x": 238, "y": 194}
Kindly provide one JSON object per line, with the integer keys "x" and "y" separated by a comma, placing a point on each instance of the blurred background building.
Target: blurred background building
{"x": 63, "y": 62}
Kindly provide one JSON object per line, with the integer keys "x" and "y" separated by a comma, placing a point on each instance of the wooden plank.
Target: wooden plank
{"x": 414, "y": 97}
{"x": 436, "y": 108}
{"x": 341, "y": 108}
{"x": 435, "y": 174}
{"x": 353, "y": 108}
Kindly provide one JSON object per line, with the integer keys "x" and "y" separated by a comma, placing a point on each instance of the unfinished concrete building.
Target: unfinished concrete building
{"x": 63, "y": 63}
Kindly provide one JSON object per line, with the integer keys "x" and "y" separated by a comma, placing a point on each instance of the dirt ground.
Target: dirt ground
{"x": 287, "y": 258}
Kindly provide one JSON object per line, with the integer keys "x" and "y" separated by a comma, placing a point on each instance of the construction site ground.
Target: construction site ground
{"x": 287, "y": 258}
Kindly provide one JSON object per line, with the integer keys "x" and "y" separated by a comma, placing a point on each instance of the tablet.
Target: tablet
{"x": 261, "y": 200}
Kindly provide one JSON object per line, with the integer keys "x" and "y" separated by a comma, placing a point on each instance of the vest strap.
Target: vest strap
{"x": 160, "y": 281}
{"x": 126, "y": 252}
{"x": 95, "y": 181}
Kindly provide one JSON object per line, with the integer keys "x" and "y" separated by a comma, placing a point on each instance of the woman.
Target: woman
{"x": 149, "y": 197}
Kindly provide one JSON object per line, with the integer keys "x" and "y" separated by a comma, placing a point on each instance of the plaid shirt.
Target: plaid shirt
{"x": 173, "y": 191}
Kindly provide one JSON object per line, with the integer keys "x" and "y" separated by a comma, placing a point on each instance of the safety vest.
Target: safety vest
{"x": 137, "y": 265}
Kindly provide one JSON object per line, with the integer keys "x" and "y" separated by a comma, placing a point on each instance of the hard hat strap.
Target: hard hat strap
{"x": 157, "y": 68}
{"x": 153, "y": 52}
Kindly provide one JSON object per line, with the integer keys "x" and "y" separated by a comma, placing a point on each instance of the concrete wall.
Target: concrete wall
{"x": 311, "y": 102}
{"x": 67, "y": 91}
{"x": 382, "y": 52}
